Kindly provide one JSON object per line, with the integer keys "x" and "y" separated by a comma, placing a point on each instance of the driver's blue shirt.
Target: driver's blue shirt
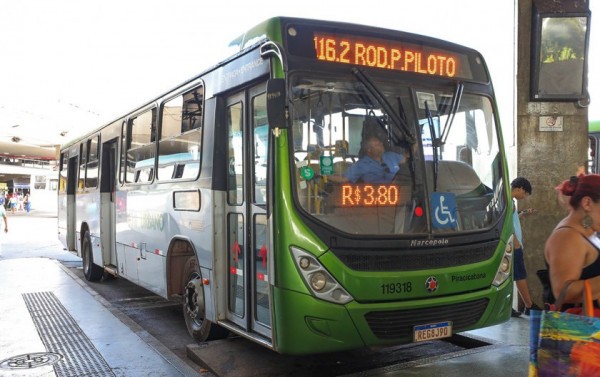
{"x": 370, "y": 171}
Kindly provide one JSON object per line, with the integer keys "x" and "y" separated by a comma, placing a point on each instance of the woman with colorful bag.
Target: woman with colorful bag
{"x": 570, "y": 251}
{"x": 568, "y": 340}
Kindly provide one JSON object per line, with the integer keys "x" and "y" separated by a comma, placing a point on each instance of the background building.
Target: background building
{"x": 38, "y": 177}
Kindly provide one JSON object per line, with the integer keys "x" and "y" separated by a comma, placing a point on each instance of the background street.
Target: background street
{"x": 34, "y": 235}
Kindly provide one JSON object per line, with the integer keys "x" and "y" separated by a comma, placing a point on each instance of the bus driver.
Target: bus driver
{"x": 375, "y": 166}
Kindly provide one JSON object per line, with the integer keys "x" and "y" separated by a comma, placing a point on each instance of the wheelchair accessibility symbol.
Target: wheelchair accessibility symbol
{"x": 443, "y": 208}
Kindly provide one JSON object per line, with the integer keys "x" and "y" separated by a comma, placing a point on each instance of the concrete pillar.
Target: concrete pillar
{"x": 545, "y": 158}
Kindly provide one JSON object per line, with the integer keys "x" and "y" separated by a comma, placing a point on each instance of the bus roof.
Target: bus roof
{"x": 271, "y": 28}
{"x": 594, "y": 126}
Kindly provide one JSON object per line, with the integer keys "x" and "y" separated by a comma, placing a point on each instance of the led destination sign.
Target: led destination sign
{"x": 389, "y": 54}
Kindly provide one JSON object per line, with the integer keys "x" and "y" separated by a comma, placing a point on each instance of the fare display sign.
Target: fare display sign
{"x": 386, "y": 54}
{"x": 366, "y": 195}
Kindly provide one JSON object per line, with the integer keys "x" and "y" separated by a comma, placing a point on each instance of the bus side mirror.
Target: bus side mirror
{"x": 276, "y": 103}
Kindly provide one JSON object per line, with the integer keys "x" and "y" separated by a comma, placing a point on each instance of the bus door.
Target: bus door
{"x": 247, "y": 228}
{"x": 107, "y": 201}
{"x": 72, "y": 170}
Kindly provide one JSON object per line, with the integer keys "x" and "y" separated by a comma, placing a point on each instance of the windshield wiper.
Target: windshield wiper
{"x": 387, "y": 107}
{"x": 434, "y": 145}
{"x": 456, "y": 97}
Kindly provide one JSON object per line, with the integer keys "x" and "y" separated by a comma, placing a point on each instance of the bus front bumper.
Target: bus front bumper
{"x": 306, "y": 325}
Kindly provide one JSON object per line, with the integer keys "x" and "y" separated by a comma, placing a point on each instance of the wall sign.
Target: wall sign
{"x": 551, "y": 123}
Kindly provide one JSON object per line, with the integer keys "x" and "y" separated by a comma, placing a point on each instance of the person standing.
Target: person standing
{"x": 4, "y": 217}
{"x": 520, "y": 189}
{"x": 27, "y": 202}
{"x": 572, "y": 250}
{"x": 13, "y": 202}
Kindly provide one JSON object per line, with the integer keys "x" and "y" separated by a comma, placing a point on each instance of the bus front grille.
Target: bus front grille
{"x": 399, "y": 323}
{"x": 416, "y": 259}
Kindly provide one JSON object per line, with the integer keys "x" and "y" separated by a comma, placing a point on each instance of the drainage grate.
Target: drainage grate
{"x": 61, "y": 334}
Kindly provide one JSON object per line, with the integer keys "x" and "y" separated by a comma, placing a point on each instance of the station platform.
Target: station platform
{"x": 54, "y": 325}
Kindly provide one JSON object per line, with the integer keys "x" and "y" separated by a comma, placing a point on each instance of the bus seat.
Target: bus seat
{"x": 372, "y": 126}
{"x": 454, "y": 176}
{"x": 472, "y": 196}
{"x": 341, "y": 148}
{"x": 340, "y": 167}
{"x": 314, "y": 151}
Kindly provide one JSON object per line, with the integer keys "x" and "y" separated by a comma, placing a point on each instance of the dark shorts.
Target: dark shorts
{"x": 519, "y": 272}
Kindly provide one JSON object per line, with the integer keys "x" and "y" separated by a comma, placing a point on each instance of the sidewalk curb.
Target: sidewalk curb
{"x": 166, "y": 353}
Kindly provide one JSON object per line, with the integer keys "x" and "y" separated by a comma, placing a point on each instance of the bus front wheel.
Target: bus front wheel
{"x": 194, "y": 306}
{"x": 91, "y": 271}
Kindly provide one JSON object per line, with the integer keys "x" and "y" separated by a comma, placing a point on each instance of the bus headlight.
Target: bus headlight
{"x": 304, "y": 263}
{"x": 318, "y": 279}
{"x": 505, "y": 267}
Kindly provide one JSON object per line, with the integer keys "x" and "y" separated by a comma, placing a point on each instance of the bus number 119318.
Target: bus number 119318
{"x": 400, "y": 287}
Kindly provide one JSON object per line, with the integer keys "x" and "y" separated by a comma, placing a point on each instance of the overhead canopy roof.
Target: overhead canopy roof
{"x": 23, "y": 150}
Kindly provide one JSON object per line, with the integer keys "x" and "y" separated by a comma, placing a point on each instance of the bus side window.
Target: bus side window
{"x": 179, "y": 144}
{"x": 82, "y": 163}
{"x": 140, "y": 152}
{"x": 91, "y": 177}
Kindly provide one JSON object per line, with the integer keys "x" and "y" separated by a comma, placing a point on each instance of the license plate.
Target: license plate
{"x": 432, "y": 331}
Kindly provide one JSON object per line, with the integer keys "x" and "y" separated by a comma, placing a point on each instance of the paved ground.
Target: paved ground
{"x": 54, "y": 325}
{"x": 33, "y": 235}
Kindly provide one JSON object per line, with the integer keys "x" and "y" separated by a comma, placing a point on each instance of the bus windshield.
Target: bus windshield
{"x": 382, "y": 157}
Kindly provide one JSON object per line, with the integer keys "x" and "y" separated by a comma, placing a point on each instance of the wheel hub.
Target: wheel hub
{"x": 191, "y": 297}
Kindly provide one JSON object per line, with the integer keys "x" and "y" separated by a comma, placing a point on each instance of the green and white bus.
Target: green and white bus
{"x": 228, "y": 192}
{"x": 594, "y": 139}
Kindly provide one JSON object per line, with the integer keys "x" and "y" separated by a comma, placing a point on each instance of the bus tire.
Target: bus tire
{"x": 91, "y": 271}
{"x": 194, "y": 306}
